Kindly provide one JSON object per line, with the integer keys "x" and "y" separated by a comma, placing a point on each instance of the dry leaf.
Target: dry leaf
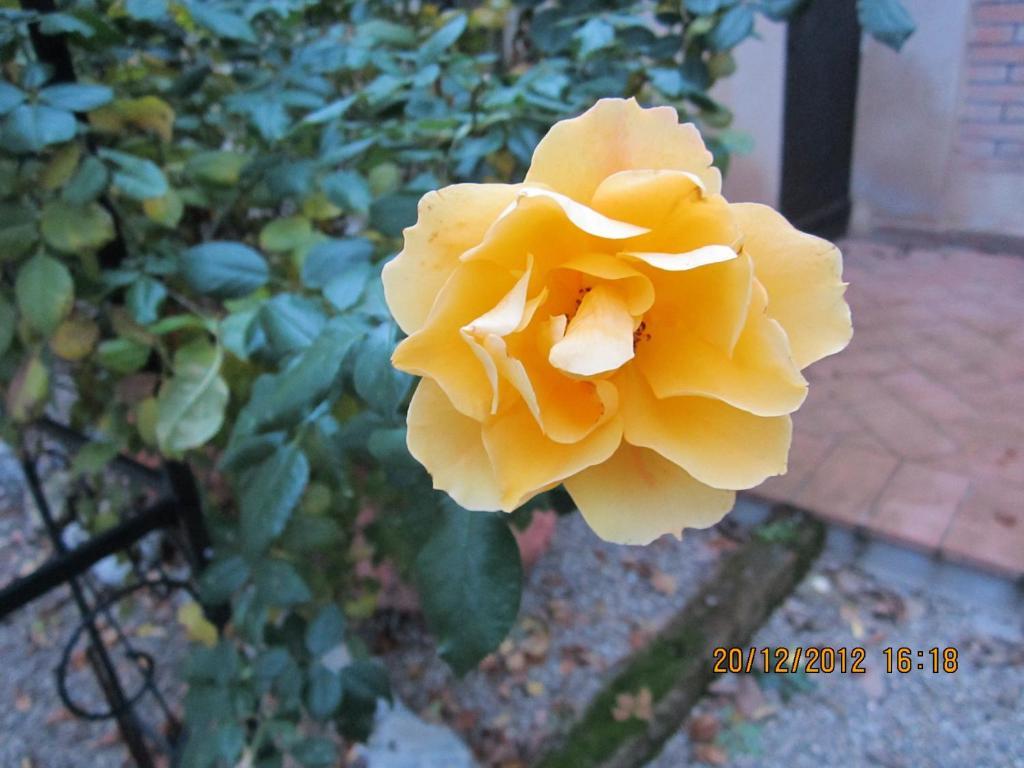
{"x": 664, "y": 583}
{"x": 190, "y": 616}
{"x": 711, "y": 754}
{"x": 850, "y": 615}
{"x": 639, "y": 706}
{"x": 703, "y": 728}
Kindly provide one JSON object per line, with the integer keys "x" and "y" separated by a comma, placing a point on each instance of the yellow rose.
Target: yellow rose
{"x": 613, "y": 324}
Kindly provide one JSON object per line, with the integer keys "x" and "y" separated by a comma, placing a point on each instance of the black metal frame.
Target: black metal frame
{"x": 176, "y": 510}
{"x": 822, "y": 64}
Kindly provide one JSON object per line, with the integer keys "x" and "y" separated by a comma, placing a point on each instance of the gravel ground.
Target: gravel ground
{"x": 35, "y": 729}
{"x": 586, "y": 605}
{"x": 879, "y": 597}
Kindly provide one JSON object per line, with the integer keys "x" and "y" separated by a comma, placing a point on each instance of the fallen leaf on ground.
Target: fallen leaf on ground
{"x": 703, "y": 728}
{"x": 664, "y": 583}
{"x": 535, "y": 539}
{"x": 639, "y": 705}
{"x": 710, "y": 754}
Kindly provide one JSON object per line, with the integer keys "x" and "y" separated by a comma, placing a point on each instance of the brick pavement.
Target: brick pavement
{"x": 916, "y": 431}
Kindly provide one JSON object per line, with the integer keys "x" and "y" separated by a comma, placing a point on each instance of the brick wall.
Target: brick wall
{"x": 992, "y": 115}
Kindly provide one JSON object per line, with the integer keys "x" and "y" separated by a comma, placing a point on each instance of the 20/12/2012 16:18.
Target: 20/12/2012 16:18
{"x": 827, "y": 659}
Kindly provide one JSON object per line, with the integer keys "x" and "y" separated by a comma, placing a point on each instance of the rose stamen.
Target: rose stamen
{"x": 640, "y": 334}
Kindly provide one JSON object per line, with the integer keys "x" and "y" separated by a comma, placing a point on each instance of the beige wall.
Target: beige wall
{"x": 911, "y": 165}
{"x": 907, "y": 113}
{"x": 755, "y": 95}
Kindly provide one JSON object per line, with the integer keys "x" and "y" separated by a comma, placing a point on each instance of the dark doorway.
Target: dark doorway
{"x": 822, "y": 60}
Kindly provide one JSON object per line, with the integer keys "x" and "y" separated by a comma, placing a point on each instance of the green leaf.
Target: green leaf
{"x": 87, "y": 184}
{"x": 325, "y": 631}
{"x": 362, "y": 684}
{"x": 346, "y": 289}
{"x": 269, "y": 492}
{"x": 702, "y": 7}
{"x": 442, "y": 40}
{"x": 268, "y": 665}
{"x": 45, "y": 292}
{"x": 18, "y": 230}
{"x": 224, "y": 269}
{"x": 331, "y": 258}
{"x": 290, "y": 323}
{"x": 308, "y": 533}
{"x": 10, "y": 97}
{"x": 323, "y": 692}
{"x": 216, "y": 167}
{"x": 315, "y": 752}
{"x": 293, "y": 393}
{"x": 60, "y": 166}
{"x": 122, "y": 356}
{"x": 332, "y": 111}
{"x": 393, "y": 213}
{"x": 73, "y": 229}
{"x": 348, "y": 190}
{"x": 76, "y": 97}
{"x": 8, "y": 317}
{"x": 191, "y": 403}
{"x": 65, "y": 23}
{"x": 26, "y": 394}
{"x": 366, "y": 679}
{"x": 378, "y": 382}
{"x": 595, "y": 35}
{"x": 279, "y": 584}
{"x": 29, "y": 128}
{"x": 390, "y": 447}
{"x": 469, "y": 568}
{"x": 222, "y": 23}
{"x": 733, "y": 27}
{"x": 222, "y": 578}
{"x": 285, "y": 234}
{"x": 136, "y": 177}
{"x": 217, "y": 665}
{"x": 780, "y": 10}
{"x": 165, "y": 210}
{"x": 886, "y": 20}
{"x": 246, "y": 451}
{"x": 144, "y": 298}
{"x": 146, "y": 10}
{"x": 92, "y": 457}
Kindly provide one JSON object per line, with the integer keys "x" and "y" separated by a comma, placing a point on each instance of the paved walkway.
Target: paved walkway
{"x": 916, "y": 431}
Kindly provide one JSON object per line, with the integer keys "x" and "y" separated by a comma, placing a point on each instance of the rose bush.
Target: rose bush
{"x": 612, "y": 323}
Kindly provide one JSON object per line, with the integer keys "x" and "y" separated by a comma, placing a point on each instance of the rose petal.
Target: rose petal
{"x": 637, "y": 287}
{"x": 637, "y": 495}
{"x": 449, "y": 222}
{"x": 710, "y": 304}
{"x": 507, "y": 315}
{"x": 680, "y": 262}
{"x": 583, "y": 218}
{"x": 451, "y": 448}
{"x": 803, "y": 276}
{"x": 599, "y": 338}
{"x": 760, "y": 375}
{"x": 718, "y": 444}
{"x": 679, "y": 216}
{"x": 527, "y": 463}
{"x": 615, "y": 135}
{"x": 439, "y": 351}
{"x": 565, "y": 408}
